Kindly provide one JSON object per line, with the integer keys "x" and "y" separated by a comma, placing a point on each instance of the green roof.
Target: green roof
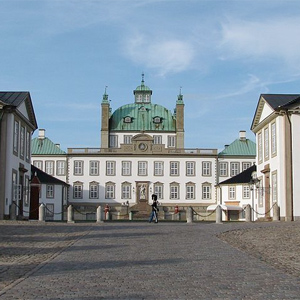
{"x": 142, "y": 118}
{"x": 240, "y": 147}
{"x": 45, "y": 147}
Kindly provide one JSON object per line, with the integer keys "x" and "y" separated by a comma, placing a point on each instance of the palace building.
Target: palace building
{"x": 142, "y": 152}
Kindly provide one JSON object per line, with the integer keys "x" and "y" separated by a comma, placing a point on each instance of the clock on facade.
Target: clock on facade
{"x": 142, "y": 146}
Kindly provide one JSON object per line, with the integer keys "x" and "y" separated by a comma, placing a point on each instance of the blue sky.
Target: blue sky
{"x": 223, "y": 54}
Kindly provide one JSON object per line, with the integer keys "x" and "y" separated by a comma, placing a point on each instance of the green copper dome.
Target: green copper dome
{"x": 142, "y": 117}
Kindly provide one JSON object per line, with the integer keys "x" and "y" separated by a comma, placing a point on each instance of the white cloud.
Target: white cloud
{"x": 265, "y": 39}
{"x": 164, "y": 55}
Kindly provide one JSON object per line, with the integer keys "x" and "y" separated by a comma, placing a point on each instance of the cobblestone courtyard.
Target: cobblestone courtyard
{"x": 149, "y": 261}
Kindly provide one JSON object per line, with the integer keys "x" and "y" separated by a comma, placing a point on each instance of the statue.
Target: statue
{"x": 143, "y": 191}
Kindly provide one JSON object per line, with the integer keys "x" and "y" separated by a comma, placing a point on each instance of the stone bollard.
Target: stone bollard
{"x": 42, "y": 213}
{"x": 219, "y": 214}
{"x": 276, "y": 212}
{"x": 70, "y": 214}
{"x": 130, "y": 215}
{"x": 189, "y": 215}
{"x": 248, "y": 213}
{"x": 12, "y": 211}
{"x": 99, "y": 214}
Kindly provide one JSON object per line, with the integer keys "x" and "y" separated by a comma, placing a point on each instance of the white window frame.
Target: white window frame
{"x": 113, "y": 141}
{"x": 94, "y": 168}
{"x": 190, "y": 167}
{"x": 190, "y": 191}
{"x": 273, "y": 139}
{"x": 77, "y": 190}
{"x": 126, "y": 168}
{"x": 16, "y": 137}
{"x": 38, "y": 164}
{"x": 223, "y": 169}
{"x": 266, "y": 143}
{"x": 142, "y": 168}
{"x": 174, "y": 191}
{"x": 246, "y": 192}
{"x": 171, "y": 141}
{"x": 174, "y": 168}
{"x": 206, "y": 168}
{"x": 127, "y": 139}
{"x": 94, "y": 190}
{"x": 28, "y": 143}
{"x": 159, "y": 190}
{"x": 234, "y": 168}
{"x": 22, "y": 142}
{"x": 246, "y": 165}
{"x": 206, "y": 191}
{"x": 50, "y": 191}
{"x": 49, "y": 167}
{"x": 110, "y": 168}
{"x": 109, "y": 190}
{"x": 126, "y": 190}
{"x": 259, "y": 146}
{"x": 231, "y": 192}
{"x": 60, "y": 168}
{"x": 274, "y": 187}
{"x": 78, "y": 167}
{"x": 157, "y": 139}
{"x": 158, "y": 168}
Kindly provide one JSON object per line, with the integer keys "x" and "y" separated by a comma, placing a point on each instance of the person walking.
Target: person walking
{"x": 154, "y": 213}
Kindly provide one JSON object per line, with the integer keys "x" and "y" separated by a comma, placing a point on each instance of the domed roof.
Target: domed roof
{"x": 142, "y": 117}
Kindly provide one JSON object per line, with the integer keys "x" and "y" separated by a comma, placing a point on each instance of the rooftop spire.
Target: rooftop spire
{"x": 180, "y": 97}
{"x": 105, "y": 96}
{"x": 143, "y": 81}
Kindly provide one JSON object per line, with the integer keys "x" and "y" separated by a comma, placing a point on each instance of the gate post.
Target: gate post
{"x": 70, "y": 214}
{"x": 42, "y": 213}
{"x": 248, "y": 213}
{"x": 189, "y": 215}
{"x": 219, "y": 214}
{"x": 99, "y": 214}
{"x": 276, "y": 213}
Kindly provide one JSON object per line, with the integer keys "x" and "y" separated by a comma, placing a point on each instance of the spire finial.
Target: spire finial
{"x": 180, "y": 96}
{"x": 143, "y": 75}
{"x": 105, "y": 96}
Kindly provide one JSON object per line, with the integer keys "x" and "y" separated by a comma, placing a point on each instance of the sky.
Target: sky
{"x": 222, "y": 54}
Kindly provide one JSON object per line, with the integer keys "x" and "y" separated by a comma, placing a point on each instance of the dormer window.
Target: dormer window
{"x": 157, "y": 120}
{"x": 143, "y": 108}
{"x": 127, "y": 119}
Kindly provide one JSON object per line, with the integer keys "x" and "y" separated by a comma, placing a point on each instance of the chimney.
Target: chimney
{"x": 242, "y": 135}
{"x": 41, "y": 134}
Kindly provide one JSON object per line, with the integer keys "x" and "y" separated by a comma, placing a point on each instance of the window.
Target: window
{"x": 157, "y": 120}
{"x": 159, "y": 190}
{"x": 127, "y": 139}
{"x": 60, "y": 168}
{"x": 190, "y": 168}
{"x": 190, "y": 191}
{"x": 157, "y": 139}
{"x": 206, "y": 168}
{"x": 94, "y": 168}
{"x": 273, "y": 139}
{"x": 174, "y": 168}
{"x": 77, "y": 190}
{"x": 16, "y": 137}
{"x": 171, "y": 141}
{"x": 223, "y": 169}
{"x": 94, "y": 190}
{"x": 126, "y": 190}
{"x": 26, "y": 191}
{"x": 113, "y": 141}
{"x": 126, "y": 168}
{"x": 49, "y": 191}
{"x": 109, "y": 190}
{"x": 206, "y": 191}
{"x": 127, "y": 119}
{"x": 158, "y": 168}
{"x": 22, "y": 142}
{"x": 234, "y": 168}
{"x": 266, "y": 141}
{"x": 174, "y": 191}
{"x": 231, "y": 190}
{"x": 246, "y": 165}
{"x": 260, "y": 194}
{"x": 274, "y": 187}
{"x": 110, "y": 168}
{"x": 259, "y": 145}
{"x": 49, "y": 167}
{"x": 246, "y": 191}
{"x": 142, "y": 168}
{"x": 78, "y": 167}
{"x": 38, "y": 164}
{"x": 28, "y": 140}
